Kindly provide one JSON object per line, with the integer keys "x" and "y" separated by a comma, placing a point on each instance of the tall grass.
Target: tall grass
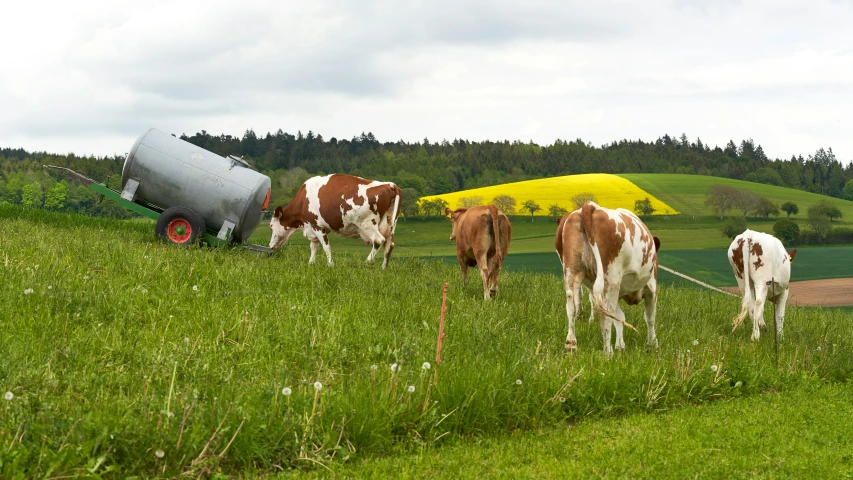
{"x": 125, "y": 356}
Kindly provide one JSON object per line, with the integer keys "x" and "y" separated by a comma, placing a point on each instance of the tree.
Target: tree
{"x": 745, "y": 201}
{"x": 644, "y": 207}
{"x": 557, "y": 212}
{"x": 55, "y": 199}
{"x": 833, "y": 211}
{"x": 733, "y": 227}
{"x": 505, "y": 203}
{"x": 433, "y": 207}
{"x": 409, "y": 203}
{"x": 790, "y": 208}
{"x": 32, "y": 195}
{"x": 582, "y": 198}
{"x": 819, "y": 221}
{"x": 720, "y": 198}
{"x": 765, "y": 207}
{"x": 531, "y": 207}
{"x": 468, "y": 202}
{"x": 847, "y": 191}
{"x": 786, "y": 231}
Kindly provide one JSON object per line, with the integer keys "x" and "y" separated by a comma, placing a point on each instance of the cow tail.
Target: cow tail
{"x": 495, "y": 221}
{"x": 747, "y": 291}
{"x": 398, "y": 195}
{"x": 588, "y": 230}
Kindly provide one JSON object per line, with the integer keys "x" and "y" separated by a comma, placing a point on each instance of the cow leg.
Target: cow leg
{"x": 376, "y": 243}
{"x": 324, "y": 241}
{"x": 574, "y": 296}
{"x": 591, "y": 307}
{"x": 650, "y": 301}
{"x": 483, "y": 264}
{"x": 463, "y": 265}
{"x": 315, "y": 244}
{"x": 605, "y": 334}
{"x": 780, "y": 301}
{"x": 619, "y": 326}
{"x": 389, "y": 246}
{"x": 758, "y": 310}
{"x": 494, "y": 271}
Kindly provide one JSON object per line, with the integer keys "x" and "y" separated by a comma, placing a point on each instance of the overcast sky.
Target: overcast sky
{"x": 90, "y": 76}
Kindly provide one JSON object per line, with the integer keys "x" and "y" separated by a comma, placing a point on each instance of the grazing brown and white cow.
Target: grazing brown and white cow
{"x": 482, "y": 236}
{"x": 612, "y": 253}
{"x": 345, "y": 205}
{"x": 763, "y": 269}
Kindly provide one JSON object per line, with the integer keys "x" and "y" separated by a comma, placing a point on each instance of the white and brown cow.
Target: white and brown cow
{"x": 345, "y": 205}
{"x": 762, "y": 268}
{"x": 612, "y": 253}
{"x": 482, "y": 236}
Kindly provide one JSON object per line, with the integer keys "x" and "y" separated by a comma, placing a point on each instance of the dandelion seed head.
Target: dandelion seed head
{"x": 562, "y": 399}
{"x": 426, "y": 366}
{"x": 518, "y": 382}
{"x": 9, "y": 396}
{"x": 159, "y": 453}
{"x": 714, "y": 368}
{"x": 195, "y": 288}
{"x": 50, "y": 287}
{"x": 318, "y": 386}
{"x": 286, "y": 391}
{"x": 373, "y": 368}
{"x": 394, "y": 367}
{"x": 411, "y": 389}
{"x": 695, "y": 342}
{"x": 28, "y": 291}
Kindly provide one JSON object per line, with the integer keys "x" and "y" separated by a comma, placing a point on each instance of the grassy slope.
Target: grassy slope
{"x": 114, "y": 337}
{"x": 794, "y": 434}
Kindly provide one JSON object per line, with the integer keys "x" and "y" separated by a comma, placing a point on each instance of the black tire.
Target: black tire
{"x": 180, "y": 226}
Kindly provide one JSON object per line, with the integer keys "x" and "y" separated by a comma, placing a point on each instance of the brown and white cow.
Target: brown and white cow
{"x": 762, "y": 268}
{"x": 482, "y": 236}
{"x": 345, "y": 205}
{"x": 612, "y": 253}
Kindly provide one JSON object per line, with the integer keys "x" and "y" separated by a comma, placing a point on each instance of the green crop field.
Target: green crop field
{"x": 123, "y": 356}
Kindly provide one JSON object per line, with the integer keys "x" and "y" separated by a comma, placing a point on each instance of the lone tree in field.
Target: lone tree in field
{"x": 531, "y": 207}
{"x": 733, "y": 227}
{"x": 819, "y": 221}
{"x": 468, "y": 202}
{"x": 786, "y": 230}
{"x": 720, "y": 197}
{"x": 766, "y": 207}
{"x": 745, "y": 201}
{"x": 557, "y": 212}
{"x": 790, "y": 208}
{"x": 644, "y": 207}
{"x": 582, "y": 198}
{"x": 505, "y": 203}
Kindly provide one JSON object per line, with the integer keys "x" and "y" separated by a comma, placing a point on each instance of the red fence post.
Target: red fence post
{"x": 440, "y": 330}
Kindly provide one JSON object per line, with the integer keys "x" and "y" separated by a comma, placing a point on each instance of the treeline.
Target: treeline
{"x": 428, "y": 167}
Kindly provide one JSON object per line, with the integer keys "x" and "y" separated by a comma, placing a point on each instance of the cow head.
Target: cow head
{"x": 282, "y": 225}
{"x": 791, "y": 255}
{"x": 453, "y": 216}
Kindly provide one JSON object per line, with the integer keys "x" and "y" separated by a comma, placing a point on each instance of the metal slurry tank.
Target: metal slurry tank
{"x": 172, "y": 172}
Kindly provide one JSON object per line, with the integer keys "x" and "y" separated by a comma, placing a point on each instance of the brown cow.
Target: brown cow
{"x": 474, "y": 230}
{"x": 345, "y": 205}
{"x": 612, "y": 253}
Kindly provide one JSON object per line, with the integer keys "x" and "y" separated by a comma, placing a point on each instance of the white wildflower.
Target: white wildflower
{"x": 28, "y": 291}
{"x": 318, "y": 386}
{"x": 9, "y": 396}
{"x": 170, "y": 414}
{"x": 373, "y": 368}
{"x": 695, "y": 342}
{"x": 186, "y": 339}
{"x": 286, "y": 391}
{"x": 195, "y": 288}
{"x": 159, "y": 453}
{"x": 50, "y": 287}
{"x": 426, "y": 366}
{"x": 714, "y": 368}
{"x": 394, "y": 367}
{"x": 518, "y": 382}
{"x": 411, "y": 389}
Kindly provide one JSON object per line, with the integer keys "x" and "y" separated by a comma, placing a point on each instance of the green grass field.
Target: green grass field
{"x": 123, "y": 356}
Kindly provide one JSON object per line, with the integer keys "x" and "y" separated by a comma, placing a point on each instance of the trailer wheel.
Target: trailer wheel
{"x": 180, "y": 225}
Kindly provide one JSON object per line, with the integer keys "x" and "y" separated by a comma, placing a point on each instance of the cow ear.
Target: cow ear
{"x": 278, "y": 211}
{"x": 657, "y": 243}
{"x": 447, "y": 212}
{"x": 791, "y": 254}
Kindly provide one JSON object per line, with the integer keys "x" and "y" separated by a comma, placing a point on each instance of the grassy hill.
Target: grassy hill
{"x": 123, "y": 356}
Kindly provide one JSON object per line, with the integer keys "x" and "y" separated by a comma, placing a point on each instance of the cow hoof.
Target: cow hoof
{"x": 572, "y": 346}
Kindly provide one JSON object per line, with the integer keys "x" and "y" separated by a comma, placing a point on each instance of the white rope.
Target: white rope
{"x": 696, "y": 281}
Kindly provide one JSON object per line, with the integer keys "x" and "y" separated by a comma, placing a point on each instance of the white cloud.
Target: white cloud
{"x": 89, "y": 77}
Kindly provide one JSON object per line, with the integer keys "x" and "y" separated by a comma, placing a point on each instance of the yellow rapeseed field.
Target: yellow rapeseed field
{"x": 610, "y": 191}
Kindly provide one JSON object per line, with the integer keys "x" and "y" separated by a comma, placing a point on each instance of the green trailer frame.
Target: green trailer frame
{"x": 146, "y": 210}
